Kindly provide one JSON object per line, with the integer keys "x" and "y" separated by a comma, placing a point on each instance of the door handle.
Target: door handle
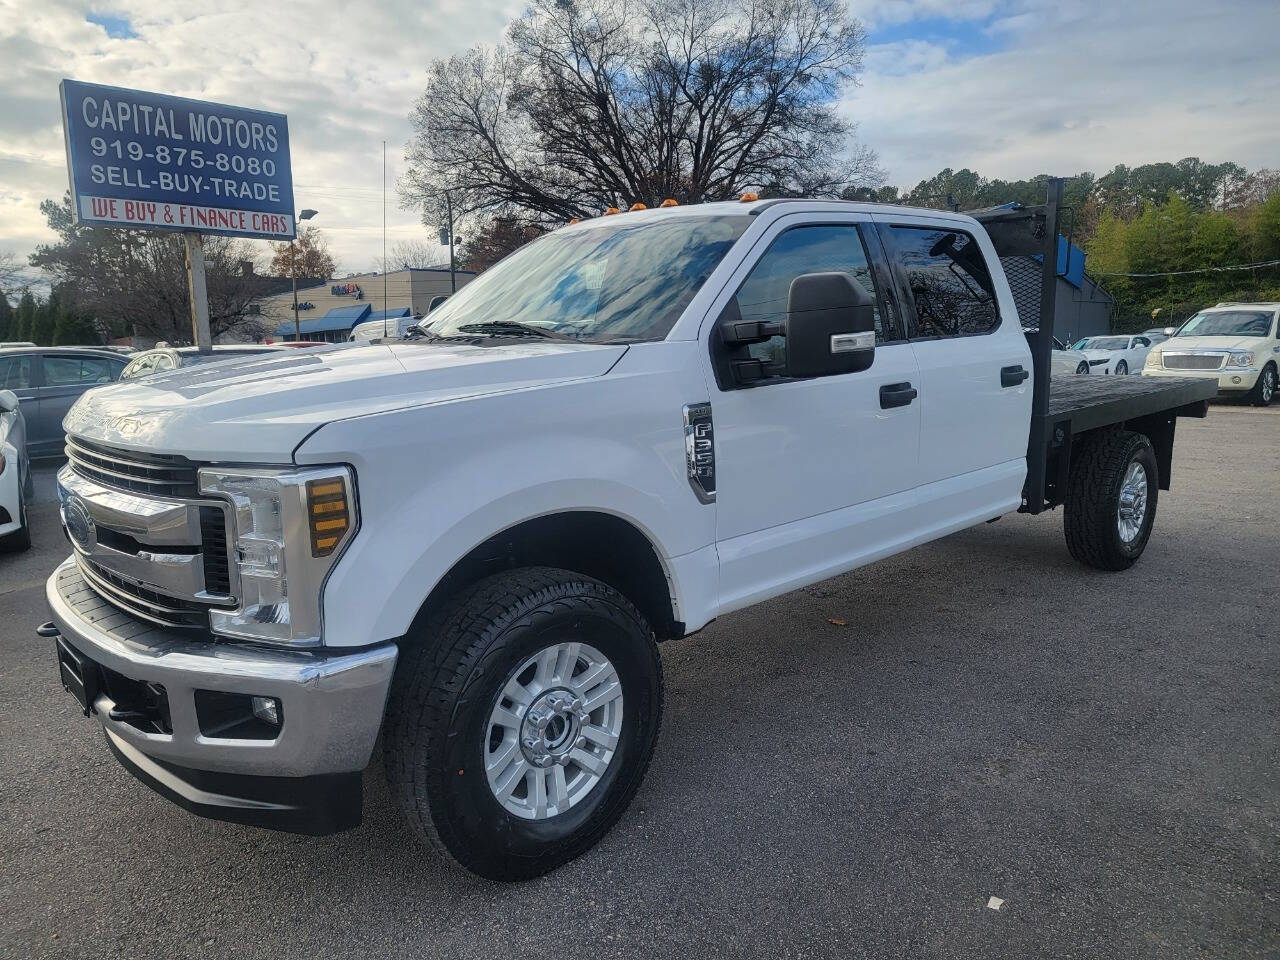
{"x": 1012, "y": 376}
{"x": 897, "y": 395}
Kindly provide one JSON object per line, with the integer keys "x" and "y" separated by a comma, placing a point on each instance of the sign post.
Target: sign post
{"x": 199, "y": 292}
{"x": 148, "y": 161}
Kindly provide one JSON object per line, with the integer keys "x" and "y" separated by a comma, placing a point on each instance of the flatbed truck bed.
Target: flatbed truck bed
{"x": 1067, "y": 408}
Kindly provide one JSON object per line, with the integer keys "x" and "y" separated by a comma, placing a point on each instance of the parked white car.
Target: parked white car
{"x": 1118, "y": 355}
{"x": 15, "y": 475}
{"x": 1063, "y": 360}
{"x": 1236, "y": 344}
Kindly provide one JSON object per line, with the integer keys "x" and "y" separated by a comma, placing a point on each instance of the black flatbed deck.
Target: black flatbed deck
{"x": 1089, "y": 402}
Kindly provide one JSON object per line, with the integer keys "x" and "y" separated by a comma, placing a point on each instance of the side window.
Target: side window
{"x": 78, "y": 371}
{"x": 163, "y": 362}
{"x": 948, "y": 279}
{"x": 15, "y": 373}
{"x": 1141, "y": 342}
{"x": 801, "y": 250}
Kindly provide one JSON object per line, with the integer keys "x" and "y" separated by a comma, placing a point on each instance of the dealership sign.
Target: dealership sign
{"x": 146, "y": 160}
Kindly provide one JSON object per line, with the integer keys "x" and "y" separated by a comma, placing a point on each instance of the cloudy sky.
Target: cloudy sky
{"x": 1008, "y": 87}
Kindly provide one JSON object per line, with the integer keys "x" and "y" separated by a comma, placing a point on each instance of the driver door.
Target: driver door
{"x": 808, "y": 469}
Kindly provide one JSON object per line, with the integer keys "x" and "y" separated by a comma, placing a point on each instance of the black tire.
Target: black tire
{"x": 1264, "y": 391}
{"x": 1099, "y": 463}
{"x": 1082, "y": 367}
{"x": 448, "y": 682}
{"x": 20, "y": 539}
{"x": 1122, "y": 368}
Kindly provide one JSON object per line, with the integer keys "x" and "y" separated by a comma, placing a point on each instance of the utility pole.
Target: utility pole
{"x": 453, "y": 280}
{"x": 293, "y": 269}
{"x": 198, "y": 291}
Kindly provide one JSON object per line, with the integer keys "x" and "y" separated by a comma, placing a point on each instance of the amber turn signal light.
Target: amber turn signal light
{"x": 327, "y": 514}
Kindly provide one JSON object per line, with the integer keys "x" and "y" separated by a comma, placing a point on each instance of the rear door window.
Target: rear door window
{"x": 946, "y": 275}
{"x": 64, "y": 371}
{"x": 15, "y": 372}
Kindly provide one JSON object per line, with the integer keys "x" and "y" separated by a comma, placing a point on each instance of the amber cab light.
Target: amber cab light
{"x": 637, "y": 206}
{"x": 668, "y": 203}
{"x": 749, "y": 198}
{"x": 609, "y": 211}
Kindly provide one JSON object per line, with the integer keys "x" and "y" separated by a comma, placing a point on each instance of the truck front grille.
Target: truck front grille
{"x": 163, "y": 476}
{"x": 1193, "y": 361}
{"x": 156, "y": 548}
{"x": 141, "y": 601}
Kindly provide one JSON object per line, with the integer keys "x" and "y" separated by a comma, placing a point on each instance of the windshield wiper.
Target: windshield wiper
{"x": 509, "y": 328}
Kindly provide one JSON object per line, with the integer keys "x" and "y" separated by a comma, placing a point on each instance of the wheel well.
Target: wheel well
{"x": 598, "y": 545}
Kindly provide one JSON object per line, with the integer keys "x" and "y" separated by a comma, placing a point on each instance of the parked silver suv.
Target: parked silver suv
{"x": 48, "y": 380}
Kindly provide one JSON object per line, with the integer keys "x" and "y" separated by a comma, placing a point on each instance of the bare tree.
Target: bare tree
{"x": 417, "y": 254}
{"x": 595, "y": 103}
{"x": 10, "y": 273}
{"x": 135, "y": 280}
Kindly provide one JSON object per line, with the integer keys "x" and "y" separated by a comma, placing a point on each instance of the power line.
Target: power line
{"x": 1180, "y": 273}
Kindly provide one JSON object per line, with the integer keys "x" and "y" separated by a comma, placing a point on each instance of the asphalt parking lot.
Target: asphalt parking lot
{"x": 1099, "y": 751}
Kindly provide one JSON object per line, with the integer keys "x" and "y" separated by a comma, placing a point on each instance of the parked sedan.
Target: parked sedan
{"x": 15, "y": 475}
{"x": 1063, "y": 361}
{"x": 1117, "y": 355}
{"x": 48, "y": 380}
{"x": 171, "y": 358}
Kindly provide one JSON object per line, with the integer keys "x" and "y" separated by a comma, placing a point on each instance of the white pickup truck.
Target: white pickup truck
{"x": 464, "y": 546}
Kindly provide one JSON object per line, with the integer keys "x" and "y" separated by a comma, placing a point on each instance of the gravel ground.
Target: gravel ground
{"x": 1099, "y": 751}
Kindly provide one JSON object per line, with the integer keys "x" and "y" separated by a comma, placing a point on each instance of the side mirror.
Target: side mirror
{"x": 830, "y": 325}
{"x": 8, "y": 401}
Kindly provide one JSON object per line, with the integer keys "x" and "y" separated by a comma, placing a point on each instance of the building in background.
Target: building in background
{"x": 328, "y": 312}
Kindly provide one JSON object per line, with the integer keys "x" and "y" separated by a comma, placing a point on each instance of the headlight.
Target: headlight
{"x": 1153, "y": 360}
{"x": 1240, "y": 358}
{"x": 288, "y": 528}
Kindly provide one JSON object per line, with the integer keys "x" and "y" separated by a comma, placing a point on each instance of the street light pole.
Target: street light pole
{"x": 293, "y": 269}
{"x": 453, "y": 280}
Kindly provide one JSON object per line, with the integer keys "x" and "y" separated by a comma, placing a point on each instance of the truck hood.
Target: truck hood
{"x": 260, "y": 408}
{"x": 1176, "y": 344}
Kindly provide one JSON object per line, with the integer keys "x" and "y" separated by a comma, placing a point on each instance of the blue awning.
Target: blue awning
{"x": 339, "y": 318}
{"x": 387, "y": 314}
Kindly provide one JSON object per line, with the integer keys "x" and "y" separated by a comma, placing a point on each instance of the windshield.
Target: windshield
{"x": 1227, "y": 323}
{"x": 1102, "y": 343}
{"x": 611, "y": 282}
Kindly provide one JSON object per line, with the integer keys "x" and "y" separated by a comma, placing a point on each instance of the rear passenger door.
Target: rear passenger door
{"x": 975, "y": 364}
{"x": 66, "y": 376}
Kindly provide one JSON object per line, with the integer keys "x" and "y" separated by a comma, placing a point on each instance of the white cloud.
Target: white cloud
{"x": 346, "y": 76}
{"x": 1080, "y": 87}
{"x": 1073, "y": 86}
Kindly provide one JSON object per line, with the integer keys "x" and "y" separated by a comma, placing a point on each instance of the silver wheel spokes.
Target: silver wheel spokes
{"x": 1132, "y": 510}
{"x": 553, "y": 730}
{"x": 1268, "y": 385}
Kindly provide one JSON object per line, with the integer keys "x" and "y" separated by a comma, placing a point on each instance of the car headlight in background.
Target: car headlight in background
{"x": 1240, "y": 358}
{"x": 287, "y": 529}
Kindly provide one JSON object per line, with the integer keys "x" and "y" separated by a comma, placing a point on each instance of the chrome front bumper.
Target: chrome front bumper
{"x": 331, "y": 705}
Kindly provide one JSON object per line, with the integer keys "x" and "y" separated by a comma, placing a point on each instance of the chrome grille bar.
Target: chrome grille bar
{"x": 130, "y": 470}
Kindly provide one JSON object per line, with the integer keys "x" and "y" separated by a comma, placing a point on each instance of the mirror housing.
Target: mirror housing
{"x": 830, "y": 325}
{"x": 8, "y": 401}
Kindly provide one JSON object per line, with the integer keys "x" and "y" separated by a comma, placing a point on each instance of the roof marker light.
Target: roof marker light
{"x": 574, "y": 220}
{"x": 609, "y": 211}
{"x": 668, "y": 203}
{"x": 749, "y": 198}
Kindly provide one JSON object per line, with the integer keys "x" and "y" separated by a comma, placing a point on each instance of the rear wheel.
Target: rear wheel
{"x": 1122, "y": 368}
{"x": 1082, "y": 367}
{"x": 520, "y": 725}
{"x": 1264, "y": 391}
{"x": 1110, "y": 505}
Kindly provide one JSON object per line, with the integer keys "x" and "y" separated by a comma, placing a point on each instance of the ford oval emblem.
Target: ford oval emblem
{"x": 80, "y": 526}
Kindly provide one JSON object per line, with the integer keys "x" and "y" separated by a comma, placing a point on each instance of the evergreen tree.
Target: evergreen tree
{"x": 44, "y": 320}
{"x": 26, "y": 313}
{"x": 6, "y": 319}
{"x": 74, "y": 328}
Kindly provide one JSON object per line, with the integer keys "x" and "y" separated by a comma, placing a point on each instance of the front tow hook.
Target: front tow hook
{"x": 49, "y": 629}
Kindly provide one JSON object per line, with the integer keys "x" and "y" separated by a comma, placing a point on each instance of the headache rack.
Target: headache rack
{"x": 1070, "y": 406}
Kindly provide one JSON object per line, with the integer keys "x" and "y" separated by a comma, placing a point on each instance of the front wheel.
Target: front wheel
{"x": 1122, "y": 368}
{"x": 1082, "y": 367}
{"x": 1110, "y": 505}
{"x": 522, "y": 720}
{"x": 1264, "y": 391}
